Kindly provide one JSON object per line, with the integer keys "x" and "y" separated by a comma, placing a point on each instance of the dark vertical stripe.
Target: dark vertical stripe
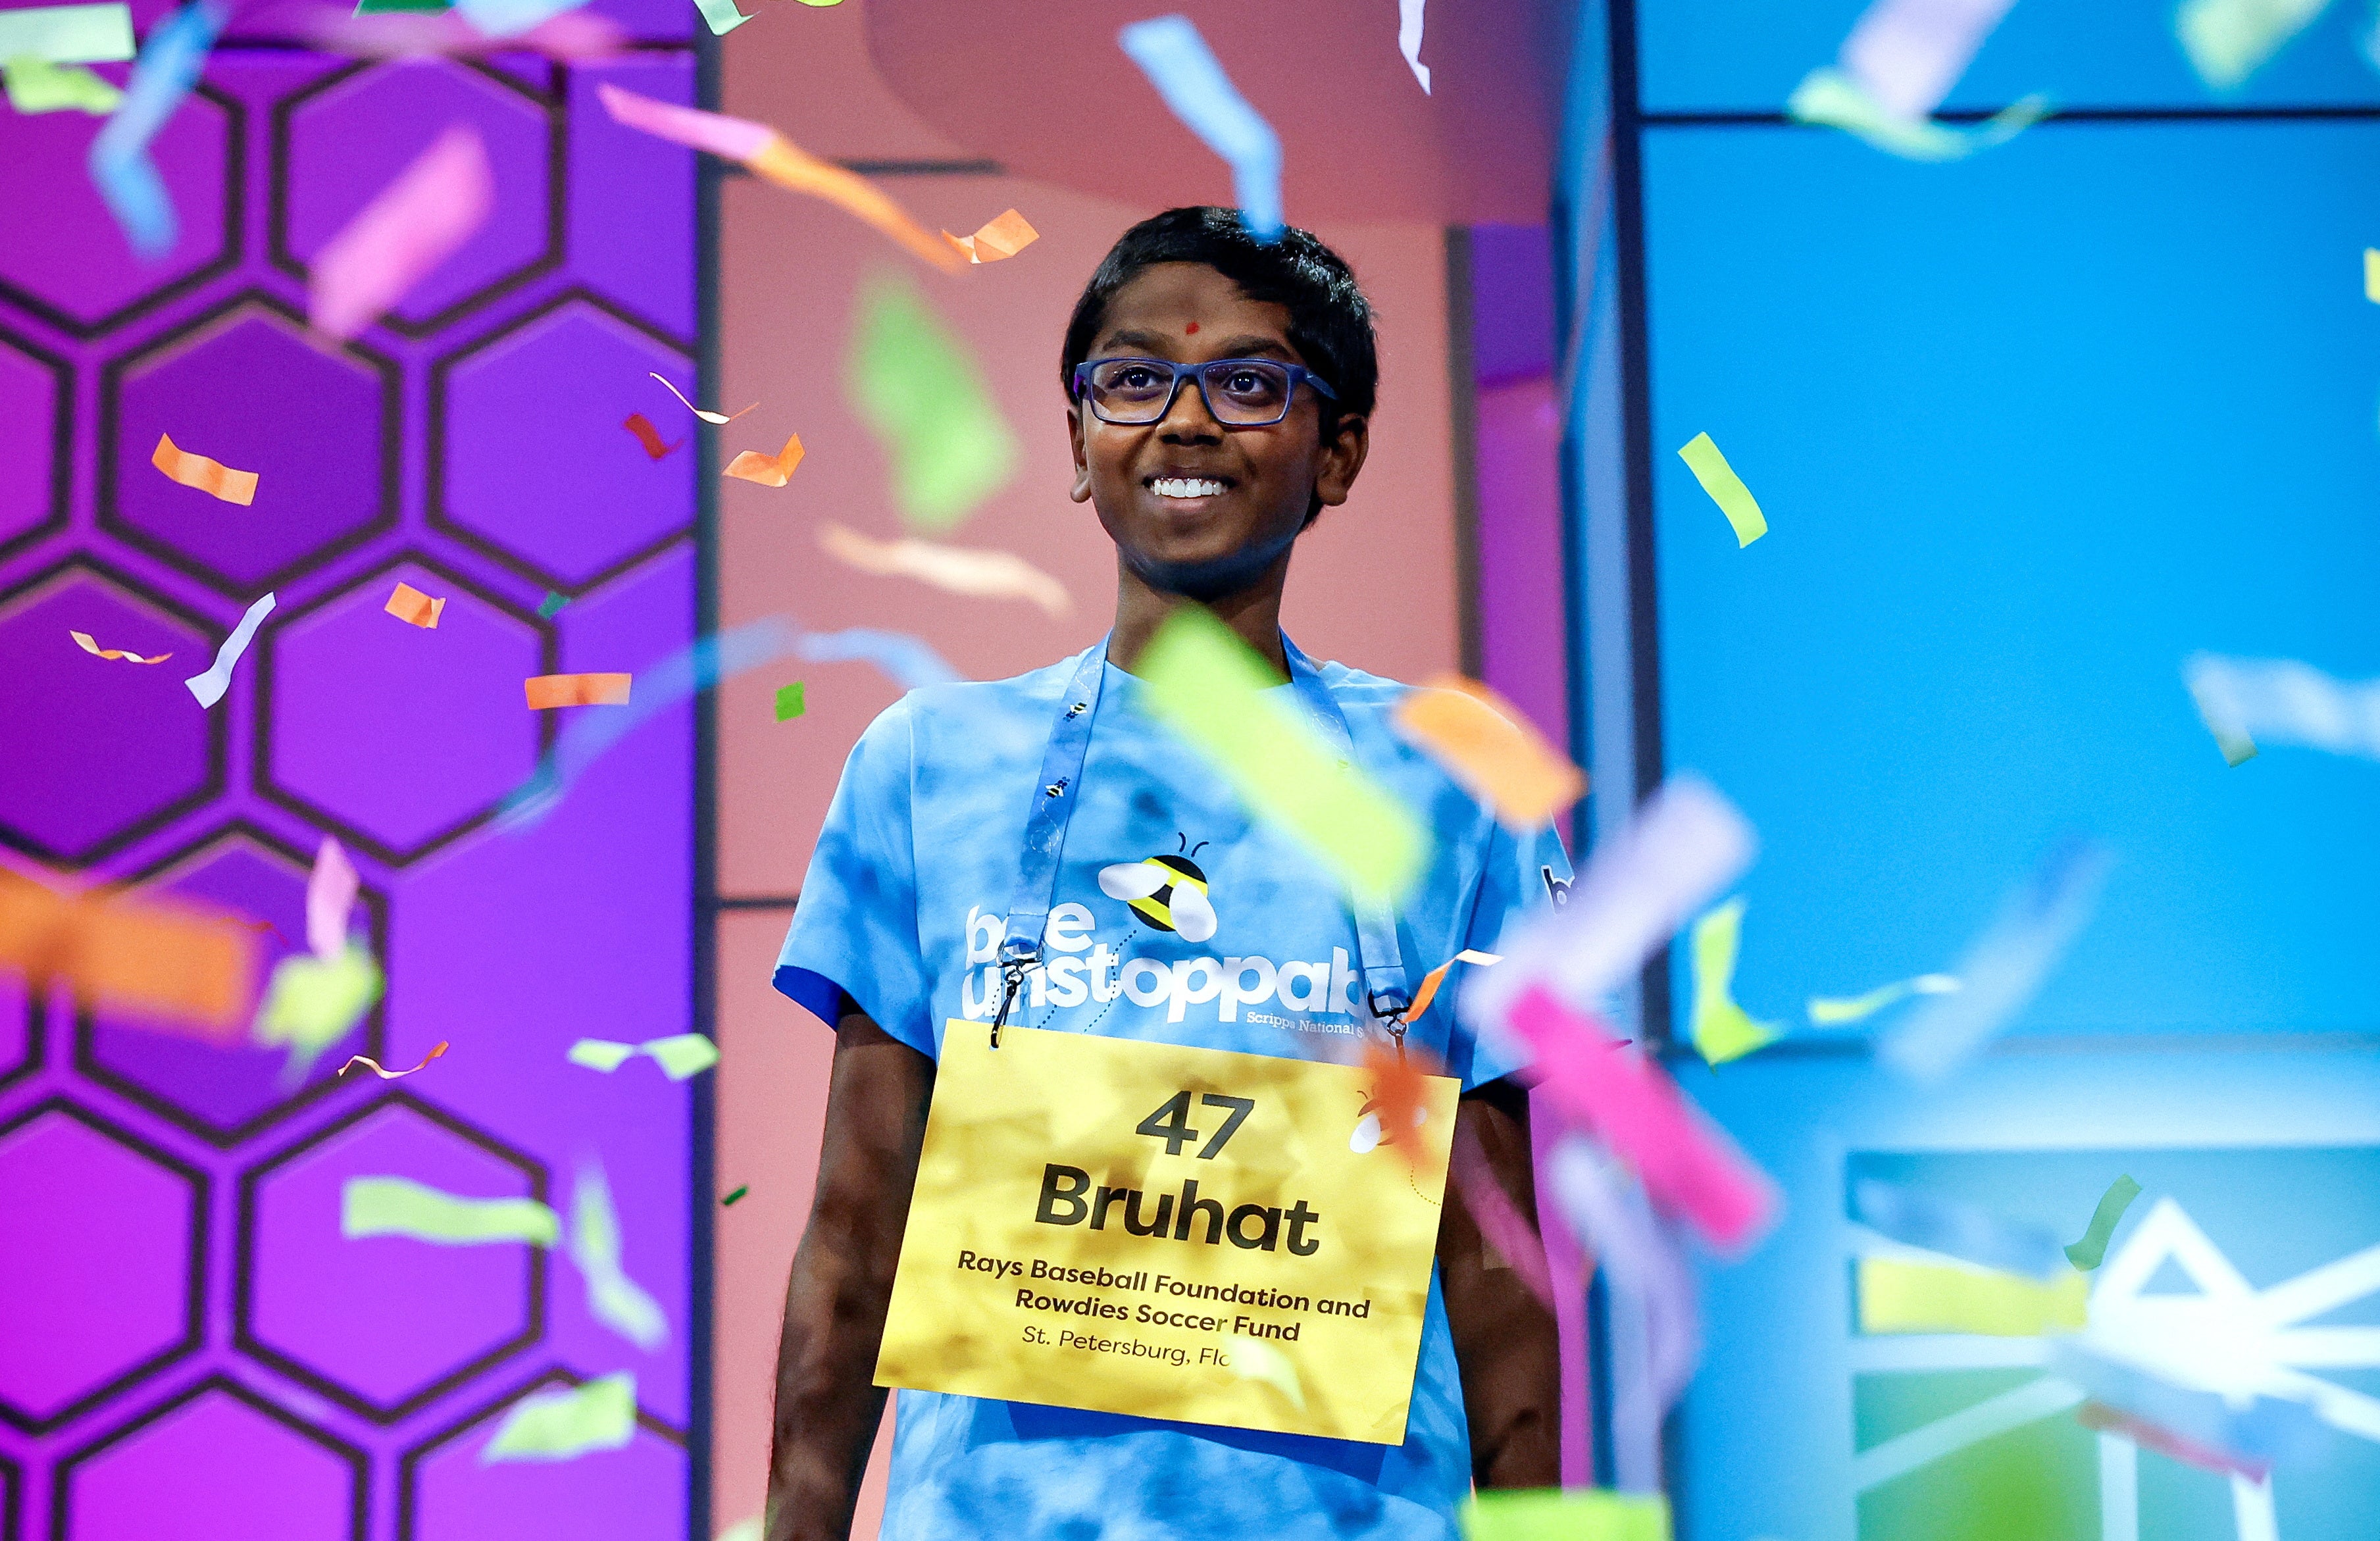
{"x": 1463, "y": 394}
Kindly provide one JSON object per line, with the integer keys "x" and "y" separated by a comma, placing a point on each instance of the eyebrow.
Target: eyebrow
{"x": 1247, "y": 344}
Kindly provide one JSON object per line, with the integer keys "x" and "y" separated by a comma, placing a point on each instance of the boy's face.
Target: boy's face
{"x": 1248, "y": 489}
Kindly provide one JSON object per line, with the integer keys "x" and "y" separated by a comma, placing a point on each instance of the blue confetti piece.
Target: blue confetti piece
{"x": 906, "y": 661}
{"x": 163, "y": 75}
{"x": 1915, "y": 1218}
{"x": 1186, "y": 74}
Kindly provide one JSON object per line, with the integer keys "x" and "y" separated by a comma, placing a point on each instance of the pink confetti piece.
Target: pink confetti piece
{"x": 329, "y": 895}
{"x": 1498, "y": 1219}
{"x": 409, "y": 228}
{"x": 736, "y": 138}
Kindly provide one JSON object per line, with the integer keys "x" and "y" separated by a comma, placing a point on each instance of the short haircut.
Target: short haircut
{"x": 1329, "y": 319}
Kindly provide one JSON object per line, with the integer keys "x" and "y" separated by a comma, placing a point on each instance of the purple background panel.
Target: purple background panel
{"x": 253, "y": 389}
{"x": 610, "y": 218}
{"x": 95, "y": 746}
{"x": 622, "y": 1494}
{"x": 16, "y": 1026}
{"x": 384, "y": 1318}
{"x": 83, "y": 281}
{"x": 85, "y": 1302}
{"x": 217, "y": 1467}
{"x": 353, "y": 136}
{"x": 28, "y": 423}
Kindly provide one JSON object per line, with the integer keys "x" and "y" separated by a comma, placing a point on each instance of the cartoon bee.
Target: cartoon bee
{"x": 1169, "y": 892}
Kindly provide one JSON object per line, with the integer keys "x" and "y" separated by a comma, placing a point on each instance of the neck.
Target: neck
{"x": 1252, "y": 610}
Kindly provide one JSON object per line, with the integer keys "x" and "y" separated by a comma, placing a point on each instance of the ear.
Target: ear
{"x": 1341, "y": 458}
{"x": 1081, "y": 491}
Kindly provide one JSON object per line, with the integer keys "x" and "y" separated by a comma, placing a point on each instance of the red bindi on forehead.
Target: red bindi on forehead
{"x": 1191, "y": 330}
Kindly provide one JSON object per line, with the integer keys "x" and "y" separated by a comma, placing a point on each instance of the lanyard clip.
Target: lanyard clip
{"x": 1018, "y": 957}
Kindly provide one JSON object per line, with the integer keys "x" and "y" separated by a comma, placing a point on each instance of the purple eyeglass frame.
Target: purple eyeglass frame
{"x": 1298, "y": 374}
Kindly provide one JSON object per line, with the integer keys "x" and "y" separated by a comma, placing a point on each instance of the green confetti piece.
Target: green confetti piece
{"x": 66, "y": 34}
{"x": 790, "y": 703}
{"x": 1722, "y": 1030}
{"x": 398, "y": 1207}
{"x": 563, "y": 1425}
{"x": 722, "y": 15}
{"x": 38, "y": 86}
{"x": 2092, "y": 1250}
{"x": 1214, "y": 690}
{"x": 312, "y": 1002}
{"x": 736, "y": 1194}
{"x": 2230, "y": 40}
{"x": 551, "y": 606}
{"x": 1830, "y": 99}
{"x": 601, "y": 1054}
{"x": 1831, "y": 1011}
{"x": 919, "y": 391}
{"x": 384, "y": 7}
{"x": 1726, "y": 489}
{"x": 682, "y": 1055}
{"x": 1254, "y": 1359}
{"x": 1565, "y": 1514}
{"x": 612, "y": 1298}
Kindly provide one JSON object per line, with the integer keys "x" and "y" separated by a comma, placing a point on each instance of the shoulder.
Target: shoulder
{"x": 977, "y": 722}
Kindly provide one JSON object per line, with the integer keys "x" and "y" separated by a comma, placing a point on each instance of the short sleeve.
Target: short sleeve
{"x": 854, "y": 928}
{"x": 1523, "y": 873}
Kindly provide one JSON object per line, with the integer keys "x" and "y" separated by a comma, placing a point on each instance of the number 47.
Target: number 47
{"x": 1171, "y": 1122}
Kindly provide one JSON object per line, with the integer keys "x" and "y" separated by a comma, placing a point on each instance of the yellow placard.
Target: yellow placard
{"x": 1174, "y": 1232}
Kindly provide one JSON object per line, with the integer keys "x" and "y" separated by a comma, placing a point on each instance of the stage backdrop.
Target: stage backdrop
{"x": 188, "y": 1347}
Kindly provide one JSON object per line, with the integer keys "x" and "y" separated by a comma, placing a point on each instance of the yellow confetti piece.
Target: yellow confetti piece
{"x": 1831, "y": 1011}
{"x": 400, "y": 1207}
{"x": 1898, "y": 1296}
{"x": 563, "y": 1425}
{"x": 1726, "y": 489}
{"x": 2372, "y": 274}
{"x": 1722, "y": 1030}
{"x": 1214, "y": 690}
{"x": 1004, "y": 236}
{"x": 1565, "y": 1514}
{"x": 1254, "y": 1359}
{"x": 39, "y": 86}
{"x": 1488, "y": 747}
{"x": 612, "y": 1298}
{"x": 82, "y": 639}
{"x": 2230, "y": 40}
{"x": 415, "y": 608}
{"x": 680, "y": 1056}
{"x": 312, "y": 1002}
{"x": 1830, "y": 99}
{"x": 1437, "y": 976}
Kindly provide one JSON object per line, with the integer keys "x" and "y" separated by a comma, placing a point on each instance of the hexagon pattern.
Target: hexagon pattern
{"x": 217, "y": 1464}
{"x": 97, "y": 748}
{"x": 222, "y": 1090}
{"x": 253, "y": 389}
{"x": 624, "y": 1495}
{"x": 435, "y": 1313}
{"x": 18, "y": 1044}
{"x": 354, "y": 135}
{"x": 32, "y": 391}
{"x": 87, "y": 1305}
{"x": 537, "y": 464}
{"x": 352, "y": 686}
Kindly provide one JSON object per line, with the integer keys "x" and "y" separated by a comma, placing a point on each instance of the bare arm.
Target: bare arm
{"x": 1504, "y": 1338}
{"x": 828, "y": 1405}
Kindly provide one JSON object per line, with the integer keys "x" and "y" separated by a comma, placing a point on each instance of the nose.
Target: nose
{"x": 1187, "y": 420}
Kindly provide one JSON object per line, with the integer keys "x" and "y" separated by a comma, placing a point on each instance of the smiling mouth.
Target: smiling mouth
{"x": 1188, "y": 487}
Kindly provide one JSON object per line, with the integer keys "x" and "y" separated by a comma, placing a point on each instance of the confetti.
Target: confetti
{"x": 1565, "y": 1514}
{"x": 790, "y": 704}
{"x": 1488, "y": 747}
{"x": 1829, "y": 1011}
{"x": 210, "y": 687}
{"x": 2283, "y": 701}
{"x": 1004, "y": 237}
{"x": 1177, "y": 61}
{"x": 548, "y": 691}
{"x": 921, "y": 392}
{"x": 1500, "y": 1224}
{"x": 151, "y": 959}
{"x": 612, "y": 1298}
{"x": 2218, "y": 710}
{"x": 38, "y": 86}
{"x": 1437, "y": 976}
{"x": 907, "y": 662}
{"x": 66, "y": 34}
{"x": 736, "y": 1194}
{"x": 1829, "y": 99}
{"x": 681, "y": 1055}
{"x": 374, "y": 1065}
{"x": 563, "y": 1425}
{"x": 1935, "y": 1223}
{"x": 311, "y": 1003}
{"x": 551, "y": 606}
{"x": 769, "y": 470}
{"x": 573, "y": 36}
{"x": 2372, "y": 274}
{"x": 1722, "y": 1030}
{"x": 398, "y": 239}
{"x": 649, "y": 436}
{"x": 1409, "y": 26}
{"x": 415, "y": 608}
{"x": 1628, "y": 1101}
{"x": 506, "y": 18}
{"x": 2092, "y": 1250}
{"x": 2100, "y": 1419}
{"x": 400, "y": 1207}
{"x": 715, "y": 418}
{"x": 983, "y": 575}
{"x": 2242, "y": 1423}
{"x": 1399, "y": 1081}
{"x": 211, "y": 477}
{"x": 1896, "y": 1295}
{"x": 1726, "y": 489}
{"x": 2230, "y": 40}
{"x": 2005, "y": 966}
{"x": 1908, "y": 53}
{"x": 1213, "y": 689}
{"x": 331, "y": 890}
{"x": 165, "y": 72}
{"x": 769, "y": 155}
{"x": 720, "y": 16}
{"x": 82, "y": 639}
{"x": 1254, "y": 1359}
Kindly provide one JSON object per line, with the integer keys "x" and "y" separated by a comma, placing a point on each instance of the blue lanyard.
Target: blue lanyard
{"x": 1377, "y": 956}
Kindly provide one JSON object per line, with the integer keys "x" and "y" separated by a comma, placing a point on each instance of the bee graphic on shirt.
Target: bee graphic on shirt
{"x": 1169, "y": 892}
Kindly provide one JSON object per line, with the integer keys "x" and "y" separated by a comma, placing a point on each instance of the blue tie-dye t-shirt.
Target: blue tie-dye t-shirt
{"x": 904, "y": 909}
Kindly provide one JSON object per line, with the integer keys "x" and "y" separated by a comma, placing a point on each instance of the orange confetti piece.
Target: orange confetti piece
{"x": 796, "y": 170}
{"x": 1437, "y": 976}
{"x": 718, "y": 417}
{"x": 1484, "y": 741}
{"x": 1399, "y": 1081}
{"x": 961, "y": 570}
{"x": 374, "y": 1066}
{"x": 415, "y": 608}
{"x": 212, "y": 477}
{"x": 546, "y": 691}
{"x": 1004, "y": 236}
{"x": 651, "y": 437}
{"x": 769, "y": 470}
{"x": 163, "y": 959}
{"x": 97, "y": 652}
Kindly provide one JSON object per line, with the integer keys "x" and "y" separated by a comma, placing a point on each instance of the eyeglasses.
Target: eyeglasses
{"x": 1239, "y": 393}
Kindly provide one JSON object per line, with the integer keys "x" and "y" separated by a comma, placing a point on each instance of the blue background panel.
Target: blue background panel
{"x": 2029, "y": 430}
{"x": 1747, "y": 55}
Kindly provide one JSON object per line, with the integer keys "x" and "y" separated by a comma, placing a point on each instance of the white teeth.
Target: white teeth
{"x": 1185, "y": 486}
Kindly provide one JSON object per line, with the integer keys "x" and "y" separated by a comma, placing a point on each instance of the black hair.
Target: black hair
{"x": 1329, "y": 319}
